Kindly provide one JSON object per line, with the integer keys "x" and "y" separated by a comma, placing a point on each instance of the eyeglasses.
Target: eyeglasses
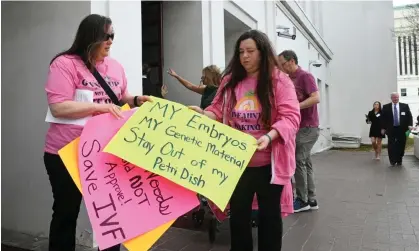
{"x": 108, "y": 36}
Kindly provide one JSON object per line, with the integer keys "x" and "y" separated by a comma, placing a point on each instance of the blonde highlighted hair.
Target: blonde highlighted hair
{"x": 212, "y": 76}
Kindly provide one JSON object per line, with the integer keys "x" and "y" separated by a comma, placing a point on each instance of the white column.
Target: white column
{"x": 99, "y": 7}
{"x": 127, "y": 47}
{"x": 213, "y": 33}
{"x": 270, "y": 21}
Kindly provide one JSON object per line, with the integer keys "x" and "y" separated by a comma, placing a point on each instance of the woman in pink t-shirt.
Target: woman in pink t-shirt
{"x": 70, "y": 75}
{"x": 257, "y": 99}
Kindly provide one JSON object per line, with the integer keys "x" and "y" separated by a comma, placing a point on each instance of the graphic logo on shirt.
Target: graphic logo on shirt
{"x": 100, "y": 95}
{"x": 248, "y": 102}
{"x": 245, "y": 115}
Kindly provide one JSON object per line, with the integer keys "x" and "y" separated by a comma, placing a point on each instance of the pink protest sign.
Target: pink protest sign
{"x": 122, "y": 200}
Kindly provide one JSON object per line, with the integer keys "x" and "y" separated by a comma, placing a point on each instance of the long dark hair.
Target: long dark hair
{"x": 90, "y": 34}
{"x": 379, "y": 106}
{"x": 268, "y": 62}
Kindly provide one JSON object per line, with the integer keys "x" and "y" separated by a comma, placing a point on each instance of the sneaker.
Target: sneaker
{"x": 313, "y": 204}
{"x": 300, "y": 206}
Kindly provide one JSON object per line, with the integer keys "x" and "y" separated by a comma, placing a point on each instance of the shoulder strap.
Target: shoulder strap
{"x": 106, "y": 87}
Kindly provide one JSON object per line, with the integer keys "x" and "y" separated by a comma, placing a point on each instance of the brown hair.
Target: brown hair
{"x": 89, "y": 37}
{"x": 268, "y": 64}
{"x": 212, "y": 76}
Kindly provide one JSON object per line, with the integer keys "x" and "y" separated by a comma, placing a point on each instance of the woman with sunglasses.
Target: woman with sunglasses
{"x": 75, "y": 71}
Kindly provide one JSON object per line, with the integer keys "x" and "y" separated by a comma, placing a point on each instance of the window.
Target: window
{"x": 320, "y": 106}
{"x": 410, "y": 55}
{"x": 403, "y": 92}
{"x": 399, "y": 43}
{"x": 327, "y": 104}
{"x": 415, "y": 52}
{"x": 407, "y": 55}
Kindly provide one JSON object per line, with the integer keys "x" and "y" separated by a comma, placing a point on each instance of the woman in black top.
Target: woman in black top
{"x": 376, "y": 136}
{"x": 150, "y": 88}
{"x": 210, "y": 80}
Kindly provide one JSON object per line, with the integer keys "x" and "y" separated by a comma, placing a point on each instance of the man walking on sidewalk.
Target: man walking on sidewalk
{"x": 308, "y": 96}
{"x": 395, "y": 122}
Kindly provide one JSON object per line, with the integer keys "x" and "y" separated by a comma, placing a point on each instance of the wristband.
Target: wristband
{"x": 269, "y": 137}
{"x": 135, "y": 100}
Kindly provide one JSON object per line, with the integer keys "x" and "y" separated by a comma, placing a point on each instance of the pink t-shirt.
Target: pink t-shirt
{"x": 245, "y": 117}
{"x": 68, "y": 73}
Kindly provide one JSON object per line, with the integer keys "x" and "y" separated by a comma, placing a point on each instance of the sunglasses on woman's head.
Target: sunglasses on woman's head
{"x": 107, "y": 36}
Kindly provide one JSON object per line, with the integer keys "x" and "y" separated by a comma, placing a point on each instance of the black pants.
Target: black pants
{"x": 396, "y": 145}
{"x": 256, "y": 180}
{"x": 66, "y": 207}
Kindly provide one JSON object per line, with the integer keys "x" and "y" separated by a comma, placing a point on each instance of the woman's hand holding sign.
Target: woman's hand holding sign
{"x": 264, "y": 141}
{"x": 197, "y": 109}
{"x": 108, "y": 108}
{"x": 201, "y": 111}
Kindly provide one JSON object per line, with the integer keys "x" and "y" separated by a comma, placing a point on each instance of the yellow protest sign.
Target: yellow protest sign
{"x": 185, "y": 147}
{"x": 143, "y": 242}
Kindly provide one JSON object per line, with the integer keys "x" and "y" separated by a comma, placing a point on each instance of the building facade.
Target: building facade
{"x": 340, "y": 43}
{"x": 407, "y": 56}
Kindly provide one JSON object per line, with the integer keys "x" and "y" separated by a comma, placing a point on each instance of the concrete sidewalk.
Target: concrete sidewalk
{"x": 365, "y": 205}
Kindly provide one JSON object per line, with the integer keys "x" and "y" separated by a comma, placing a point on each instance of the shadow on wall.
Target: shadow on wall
{"x": 32, "y": 33}
{"x": 233, "y": 28}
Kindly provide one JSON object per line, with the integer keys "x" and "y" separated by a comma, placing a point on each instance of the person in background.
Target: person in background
{"x": 70, "y": 71}
{"x": 150, "y": 88}
{"x": 396, "y": 120}
{"x": 308, "y": 96}
{"x": 210, "y": 80}
{"x": 374, "y": 118}
{"x": 256, "y": 98}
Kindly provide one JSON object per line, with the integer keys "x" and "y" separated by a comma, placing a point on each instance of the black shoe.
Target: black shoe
{"x": 392, "y": 163}
{"x": 313, "y": 205}
{"x": 399, "y": 163}
{"x": 300, "y": 206}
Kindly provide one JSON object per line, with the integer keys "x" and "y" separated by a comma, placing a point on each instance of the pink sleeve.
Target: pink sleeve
{"x": 60, "y": 84}
{"x": 287, "y": 121}
{"x": 216, "y": 106}
{"x": 124, "y": 89}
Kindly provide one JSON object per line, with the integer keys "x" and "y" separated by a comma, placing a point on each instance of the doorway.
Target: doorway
{"x": 152, "y": 39}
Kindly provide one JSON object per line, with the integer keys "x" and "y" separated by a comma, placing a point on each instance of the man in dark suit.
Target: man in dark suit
{"x": 396, "y": 120}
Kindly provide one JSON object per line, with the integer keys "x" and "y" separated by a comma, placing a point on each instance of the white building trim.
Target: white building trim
{"x": 241, "y": 14}
{"x": 299, "y": 18}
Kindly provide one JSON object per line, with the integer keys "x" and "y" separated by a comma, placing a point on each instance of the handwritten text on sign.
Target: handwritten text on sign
{"x": 122, "y": 200}
{"x": 188, "y": 148}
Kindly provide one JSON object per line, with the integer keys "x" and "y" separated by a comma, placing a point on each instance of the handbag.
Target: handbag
{"x": 106, "y": 87}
